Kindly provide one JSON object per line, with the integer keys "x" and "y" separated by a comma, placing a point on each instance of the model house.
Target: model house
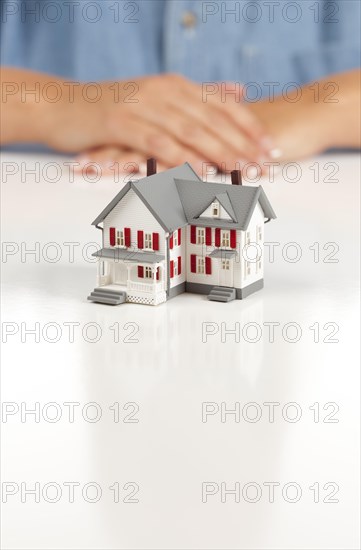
{"x": 170, "y": 233}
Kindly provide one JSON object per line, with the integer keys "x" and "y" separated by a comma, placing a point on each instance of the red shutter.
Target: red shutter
{"x": 218, "y": 237}
{"x": 179, "y": 265}
{"x": 157, "y": 273}
{"x": 193, "y": 234}
{"x": 155, "y": 241}
{"x": 112, "y": 236}
{"x": 208, "y": 236}
{"x": 179, "y": 237}
{"x": 171, "y": 269}
{"x": 127, "y": 236}
{"x": 140, "y": 239}
{"x": 140, "y": 271}
{"x": 233, "y": 239}
{"x": 208, "y": 265}
{"x": 193, "y": 263}
{"x": 171, "y": 241}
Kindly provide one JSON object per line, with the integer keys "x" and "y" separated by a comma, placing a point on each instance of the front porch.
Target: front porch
{"x": 141, "y": 276}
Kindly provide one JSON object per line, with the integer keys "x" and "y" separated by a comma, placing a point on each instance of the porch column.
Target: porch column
{"x": 98, "y": 272}
{"x": 129, "y": 267}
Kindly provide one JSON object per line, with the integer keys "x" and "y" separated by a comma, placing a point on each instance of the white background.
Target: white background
{"x": 168, "y": 371}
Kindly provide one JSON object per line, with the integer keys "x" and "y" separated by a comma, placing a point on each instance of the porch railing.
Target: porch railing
{"x": 145, "y": 287}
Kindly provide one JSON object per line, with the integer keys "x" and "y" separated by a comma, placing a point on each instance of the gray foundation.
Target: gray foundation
{"x": 179, "y": 289}
{"x": 241, "y": 293}
{"x": 197, "y": 288}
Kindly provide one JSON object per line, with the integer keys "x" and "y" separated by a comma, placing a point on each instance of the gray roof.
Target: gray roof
{"x": 129, "y": 256}
{"x": 222, "y": 253}
{"x": 223, "y": 199}
{"x": 177, "y": 197}
{"x": 160, "y": 195}
{"x": 243, "y": 200}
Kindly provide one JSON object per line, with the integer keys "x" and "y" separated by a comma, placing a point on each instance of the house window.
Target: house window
{"x": 175, "y": 238}
{"x": 247, "y": 268}
{"x": 225, "y": 239}
{"x": 120, "y": 238}
{"x": 200, "y": 235}
{"x": 148, "y": 273}
{"x": 200, "y": 265}
{"x": 148, "y": 241}
{"x": 259, "y": 233}
{"x": 226, "y": 265}
{"x": 175, "y": 269}
{"x": 215, "y": 209}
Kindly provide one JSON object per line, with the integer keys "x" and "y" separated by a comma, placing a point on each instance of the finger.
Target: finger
{"x": 209, "y": 106}
{"x": 113, "y": 159}
{"x": 229, "y": 98}
{"x": 204, "y": 142}
{"x": 173, "y": 93}
{"x": 152, "y": 141}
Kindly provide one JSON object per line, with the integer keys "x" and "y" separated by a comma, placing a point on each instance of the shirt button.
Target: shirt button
{"x": 189, "y": 20}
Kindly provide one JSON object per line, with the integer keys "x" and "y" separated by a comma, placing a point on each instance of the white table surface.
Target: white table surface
{"x": 168, "y": 372}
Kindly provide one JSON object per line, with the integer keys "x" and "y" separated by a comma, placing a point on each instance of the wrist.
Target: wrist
{"x": 74, "y": 123}
{"x": 318, "y": 111}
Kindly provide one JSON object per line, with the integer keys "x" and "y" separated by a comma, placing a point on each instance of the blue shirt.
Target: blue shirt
{"x": 269, "y": 43}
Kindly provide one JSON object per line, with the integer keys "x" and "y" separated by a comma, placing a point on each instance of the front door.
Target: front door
{"x": 120, "y": 274}
{"x": 226, "y": 273}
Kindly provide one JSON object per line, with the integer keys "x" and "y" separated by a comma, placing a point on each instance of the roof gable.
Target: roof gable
{"x": 225, "y": 203}
{"x": 177, "y": 197}
{"x": 159, "y": 193}
{"x": 243, "y": 200}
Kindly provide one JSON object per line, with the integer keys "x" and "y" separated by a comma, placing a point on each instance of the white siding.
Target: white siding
{"x": 132, "y": 212}
{"x": 241, "y": 278}
{"x": 201, "y": 250}
{"x": 174, "y": 254}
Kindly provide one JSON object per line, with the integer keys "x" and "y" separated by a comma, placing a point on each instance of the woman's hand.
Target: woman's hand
{"x": 166, "y": 116}
{"x": 326, "y": 115}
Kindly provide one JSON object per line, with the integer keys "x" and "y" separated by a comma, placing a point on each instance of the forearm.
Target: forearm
{"x": 341, "y": 112}
{"x": 24, "y": 111}
{"x": 41, "y": 108}
{"x": 322, "y": 115}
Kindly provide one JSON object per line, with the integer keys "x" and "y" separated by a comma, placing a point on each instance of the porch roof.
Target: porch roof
{"x": 129, "y": 256}
{"x": 224, "y": 254}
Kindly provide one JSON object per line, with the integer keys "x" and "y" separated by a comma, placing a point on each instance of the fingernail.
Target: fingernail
{"x": 276, "y": 153}
{"x": 253, "y": 172}
{"x": 142, "y": 167}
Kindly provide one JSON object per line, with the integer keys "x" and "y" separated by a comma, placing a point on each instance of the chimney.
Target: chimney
{"x": 151, "y": 167}
{"x": 236, "y": 177}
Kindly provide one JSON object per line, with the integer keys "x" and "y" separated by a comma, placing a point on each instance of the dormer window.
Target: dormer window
{"x": 215, "y": 209}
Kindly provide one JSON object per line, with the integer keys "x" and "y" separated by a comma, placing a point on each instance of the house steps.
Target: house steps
{"x": 222, "y": 294}
{"x": 108, "y": 296}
